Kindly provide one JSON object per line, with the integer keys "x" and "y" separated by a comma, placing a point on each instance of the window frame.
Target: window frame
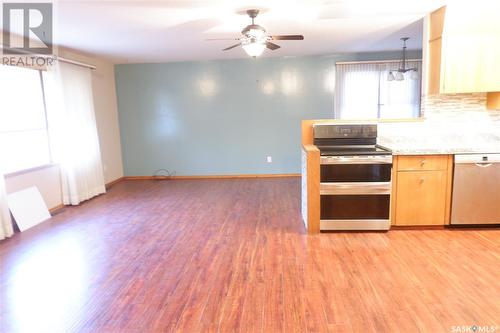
{"x": 46, "y": 128}
{"x": 388, "y": 62}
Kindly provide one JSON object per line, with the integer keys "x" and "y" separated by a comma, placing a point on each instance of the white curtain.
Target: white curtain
{"x": 362, "y": 91}
{"x": 356, "y": 90}
{"x": 5, "y": 221}
{"x": 6, "y": 229}
{"x": 73, "y": 131}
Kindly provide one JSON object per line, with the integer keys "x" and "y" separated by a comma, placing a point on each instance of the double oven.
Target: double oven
{"x": 355, "y": 175}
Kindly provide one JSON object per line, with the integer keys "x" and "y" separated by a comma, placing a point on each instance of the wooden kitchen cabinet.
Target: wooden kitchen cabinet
{"x": 310, "y": 188}
{"x": 493, "y": 101}
{"x": 422, "y": 162}
{"x": 421, "y": 198}
{"x": 463, "y": 48}
{"x": 435, "y": 23}
{"x": 421, "y": 190}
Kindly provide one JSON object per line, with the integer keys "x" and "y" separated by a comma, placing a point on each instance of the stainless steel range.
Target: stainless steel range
{"x": 355, "y": 177}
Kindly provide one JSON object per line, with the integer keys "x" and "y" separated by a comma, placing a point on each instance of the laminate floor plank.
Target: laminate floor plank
{"x": 233, "y": 256}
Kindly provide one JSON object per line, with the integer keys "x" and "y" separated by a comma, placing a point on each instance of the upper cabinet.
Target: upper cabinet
{"x": 463, "y": 48}
{"x": 435, "y": 25}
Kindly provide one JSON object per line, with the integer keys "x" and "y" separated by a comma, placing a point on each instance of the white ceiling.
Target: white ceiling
{"x": 175, "y": 30}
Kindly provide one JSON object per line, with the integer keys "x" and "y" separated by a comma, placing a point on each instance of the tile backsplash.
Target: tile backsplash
{"x": 452, "y": 108}
{"x": 450, "y": 121}
{"x": 455, "y": 102}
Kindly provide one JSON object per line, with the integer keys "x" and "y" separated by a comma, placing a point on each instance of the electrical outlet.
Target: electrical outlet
{"x": 269, "y": 159}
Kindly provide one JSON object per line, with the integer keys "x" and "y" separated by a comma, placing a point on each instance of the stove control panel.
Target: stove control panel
{"x": 344, "y": 131}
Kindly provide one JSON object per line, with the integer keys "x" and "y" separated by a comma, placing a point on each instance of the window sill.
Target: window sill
{"x": 25, "y": 171}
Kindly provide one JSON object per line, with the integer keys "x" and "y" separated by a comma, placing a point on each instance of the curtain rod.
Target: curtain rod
{"x": 66, "y": 60}
{"x": 372, "y": 61}
{"x": 78, "y": 63}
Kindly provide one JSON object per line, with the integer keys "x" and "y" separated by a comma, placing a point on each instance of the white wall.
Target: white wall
{"x": 47, "y": 179}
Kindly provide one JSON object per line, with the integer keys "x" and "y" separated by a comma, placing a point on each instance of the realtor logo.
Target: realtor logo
{"x": 27, "y": 28}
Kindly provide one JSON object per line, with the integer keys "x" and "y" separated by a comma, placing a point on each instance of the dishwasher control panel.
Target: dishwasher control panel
{"x": 477, "y": 158}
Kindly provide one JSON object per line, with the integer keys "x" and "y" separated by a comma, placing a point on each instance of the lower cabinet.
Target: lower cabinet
{"x": 422, "y": 190}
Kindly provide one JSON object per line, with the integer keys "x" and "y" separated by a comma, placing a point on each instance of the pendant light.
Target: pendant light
{"x": 414, "y": 75}
{"x": 398, "y": 74}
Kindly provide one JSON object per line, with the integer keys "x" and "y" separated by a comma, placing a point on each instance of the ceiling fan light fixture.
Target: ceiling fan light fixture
{"x": 390, "y": 77}
{"x": 256, "y": 33}
{"x": 254, "y": 38}
{"x": 254, "y": 49}
{"x": 399, "y": 76}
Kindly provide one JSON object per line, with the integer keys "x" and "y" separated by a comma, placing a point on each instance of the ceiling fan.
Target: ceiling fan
{"x": 254, "y": 39}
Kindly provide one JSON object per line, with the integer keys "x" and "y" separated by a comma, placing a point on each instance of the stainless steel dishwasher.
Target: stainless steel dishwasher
{"x": 476, "y": 189}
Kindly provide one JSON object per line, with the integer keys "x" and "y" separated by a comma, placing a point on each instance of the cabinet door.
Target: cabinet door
{"x": 434, "y": 67}
{"x": 421, "y": 198}
{"x": 470, "y": 64}
{"x": 433, "y": 55}
{"x": 471, "y": 47}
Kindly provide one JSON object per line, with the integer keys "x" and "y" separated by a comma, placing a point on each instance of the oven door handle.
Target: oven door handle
{"x": 384, "y": 159}
{"x": 355, "y": 188}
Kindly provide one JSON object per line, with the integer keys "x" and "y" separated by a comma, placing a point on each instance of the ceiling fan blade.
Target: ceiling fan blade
{"x": 272, "y": 46}
{"x": 231, "y": 47}
{"x": 288, "y": 37}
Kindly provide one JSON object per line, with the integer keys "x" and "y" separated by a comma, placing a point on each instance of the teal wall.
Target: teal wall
{"x": 223, "y": 117}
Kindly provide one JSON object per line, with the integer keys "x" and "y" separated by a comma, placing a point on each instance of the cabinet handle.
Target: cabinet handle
{"x": 422, "y": 180}
{"x": 422, "y": 163}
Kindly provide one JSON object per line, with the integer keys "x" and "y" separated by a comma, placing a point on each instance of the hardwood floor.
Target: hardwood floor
{"x": 233, "y": 256}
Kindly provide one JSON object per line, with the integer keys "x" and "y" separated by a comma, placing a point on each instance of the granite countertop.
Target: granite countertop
{"x": 441, "y": 145}
{"x": 444, "y": 132}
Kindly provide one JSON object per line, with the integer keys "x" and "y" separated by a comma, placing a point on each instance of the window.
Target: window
{"x": 24, "y": 141}
{"x": 362, "y": 91}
